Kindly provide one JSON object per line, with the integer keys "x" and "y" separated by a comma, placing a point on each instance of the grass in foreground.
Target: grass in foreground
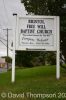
{"x": 37, "y": 80}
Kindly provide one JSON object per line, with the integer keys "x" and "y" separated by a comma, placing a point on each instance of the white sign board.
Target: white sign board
{"x": 36, "y": 33}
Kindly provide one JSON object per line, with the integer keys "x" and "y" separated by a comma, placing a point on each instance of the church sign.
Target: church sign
{"x": 36, "y": 33}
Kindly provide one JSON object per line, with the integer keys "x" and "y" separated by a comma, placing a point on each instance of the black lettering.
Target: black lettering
{"x": 30, "y": 26}
{"x": 41, "y": 26}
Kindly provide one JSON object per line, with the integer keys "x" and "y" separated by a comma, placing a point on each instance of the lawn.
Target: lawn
{"x": 38, "y": 83}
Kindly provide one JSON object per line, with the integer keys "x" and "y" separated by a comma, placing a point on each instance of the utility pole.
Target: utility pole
{"x": 7, "y": 29}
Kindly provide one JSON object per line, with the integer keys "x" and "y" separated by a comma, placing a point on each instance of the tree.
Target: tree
{"x": 50, "y": 7}
{"x": 43, "y": 7}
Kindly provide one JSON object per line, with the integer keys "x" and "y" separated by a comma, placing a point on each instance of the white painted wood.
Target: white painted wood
{"x": 56, "y": 46}
{"x": 14, "y": 45}
{"x": 25, "y": 44}
{"x": 58, "y": 49}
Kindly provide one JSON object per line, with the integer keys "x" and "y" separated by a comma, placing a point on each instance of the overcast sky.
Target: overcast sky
{"x": 7, "y": 8}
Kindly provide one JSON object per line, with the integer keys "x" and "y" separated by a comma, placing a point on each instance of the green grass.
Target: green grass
{"x": 37, "y": 80}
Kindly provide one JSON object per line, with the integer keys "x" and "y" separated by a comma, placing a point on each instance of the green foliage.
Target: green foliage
{"x": 34, "y": 58}
{"x": 43, "y": 7}
{"x": 63, "y": 35}
{"x": 51, "y": 58}
{"x": 38, "y": 7}
{"x": 55, "y": 6}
